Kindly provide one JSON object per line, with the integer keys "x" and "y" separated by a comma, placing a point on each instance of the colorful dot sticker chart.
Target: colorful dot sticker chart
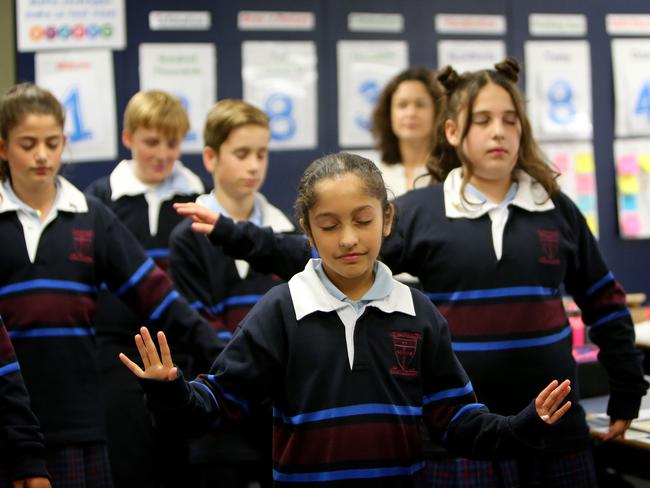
{"x": 575, "y": 163}
{"x": 632, "y": 161}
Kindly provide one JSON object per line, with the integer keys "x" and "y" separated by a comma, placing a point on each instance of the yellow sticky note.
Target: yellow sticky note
{"x": 629, "y": 184}
{"x": 592, "y": 222}
{"x": 644, "y": 162}
{"x": 585, "y": 163}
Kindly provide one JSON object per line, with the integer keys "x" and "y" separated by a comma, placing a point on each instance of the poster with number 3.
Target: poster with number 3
{"x": 82, "y": 80}
{"x": 281, "y": 78}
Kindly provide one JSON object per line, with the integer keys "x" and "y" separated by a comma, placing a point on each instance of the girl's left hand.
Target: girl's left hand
{"x": 32, "y": 483}
{"x": 617, "y": 429}
{"x": 548, "y": 401}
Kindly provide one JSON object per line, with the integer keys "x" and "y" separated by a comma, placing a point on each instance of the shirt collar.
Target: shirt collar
{"x": 211, "y": 202}
{"x": 309, "y": 294}
{"x": 181, "y": 181}
{"x": 68, "y": 198}
{"x": 528, "y": 195}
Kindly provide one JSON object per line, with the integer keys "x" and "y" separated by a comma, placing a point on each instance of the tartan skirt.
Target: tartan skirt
{"x": 573, "y": 470}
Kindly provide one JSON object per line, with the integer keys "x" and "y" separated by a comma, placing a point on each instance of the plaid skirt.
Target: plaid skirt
{"x": 573, "y": 470}
{"x": 77, "y": 466}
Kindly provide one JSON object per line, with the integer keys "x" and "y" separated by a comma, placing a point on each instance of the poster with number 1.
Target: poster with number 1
{"x": 281, "y": 79}
{"x": 82, "y": 80}
{"x": 364, "y": 67}
{"x": 558, "y": 88}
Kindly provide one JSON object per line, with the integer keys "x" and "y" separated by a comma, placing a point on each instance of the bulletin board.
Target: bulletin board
{"x": 333, "y": 23}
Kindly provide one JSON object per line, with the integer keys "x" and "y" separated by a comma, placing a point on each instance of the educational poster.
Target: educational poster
{"x": 558, "y": 88}
{"x": 631, "y": 86}
{"x": 470, "y": 55}
{"x": 575, "y": 162}
{"x": 82, "y": 80}
{"x": 66, "y": 24}
{"x": 281, "y": 78}
{"x": 189, "y": 72}
{"x": 364, "y": 67}
{"x": 632, "y": 161}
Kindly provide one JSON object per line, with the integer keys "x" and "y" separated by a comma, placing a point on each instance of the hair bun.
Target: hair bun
{"x": 509, "y": 68}
{"x": 448, "y": 78}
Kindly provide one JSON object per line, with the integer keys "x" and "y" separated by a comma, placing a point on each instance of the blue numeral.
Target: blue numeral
{"x": 643, "y": 102}
{"x": 191, "y": 134}
{"x": 72, "y": 105}
{"x": 279, "y": 108}
{"x": 369, "y": 91}
{"x": 560, "y": 96}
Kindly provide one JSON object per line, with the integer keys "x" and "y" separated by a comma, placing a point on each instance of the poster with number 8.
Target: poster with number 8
{"x": 281, "y": 79}
{"x": 364, "y": 67}
{"x": 631, "y": 65}
{"x": 82, "y": 80}
{"x": 558, "y": 89}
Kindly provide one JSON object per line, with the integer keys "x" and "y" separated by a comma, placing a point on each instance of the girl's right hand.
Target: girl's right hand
{"x": 156, "y": 367}
{"x": 203, "y": 220}
{"x": 32, "y": 483}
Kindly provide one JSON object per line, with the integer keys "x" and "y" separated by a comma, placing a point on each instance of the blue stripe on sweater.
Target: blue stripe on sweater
{"x": 352, "y": 410}
{"x": 450, "y": 393}
{"x": 515, "y": 291}
{"x": 9, "y": 368}
{"x": 167, "y": 301}
{"x": 462, "y": 411}
{"x": 612, "y": 316}
{"x": 511, "y": 344}
{"x": 599, "y": 284}
{"x": 47, "y": 284}
{"x": 239, "y": 401}
{"x": 147, "y": 266}
{"x": 158, "y": 253}
{"x": 53, "y": 332}
{"x": 347, "y": 474}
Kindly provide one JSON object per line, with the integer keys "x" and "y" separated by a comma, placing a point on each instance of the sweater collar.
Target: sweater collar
{"x": 529, "y": 195}
{"x": 309, "y": 294}
{"x": 181, "y": 181}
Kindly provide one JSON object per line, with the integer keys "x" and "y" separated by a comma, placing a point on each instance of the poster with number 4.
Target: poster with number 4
{"x": 281, "y": 79}
{"x": 631, "y": 65}
{"x": 82, "y": 80}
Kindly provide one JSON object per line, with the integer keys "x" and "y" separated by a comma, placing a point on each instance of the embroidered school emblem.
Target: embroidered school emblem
{"x": 82, "y": 246}
{"x": 550, "y": 242}
{"x": 405, "y": 345}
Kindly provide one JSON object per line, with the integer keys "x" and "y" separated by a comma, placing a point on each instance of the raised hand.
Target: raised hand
{"x": 548, "y": 401}
{"x": 156, "y": 367}
{"x": 203, "y": 220}
{"x": 32, "y": 483}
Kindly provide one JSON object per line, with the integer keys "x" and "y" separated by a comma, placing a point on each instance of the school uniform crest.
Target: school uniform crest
{"x": 82, "y": 245}
{"x": 405, "y": 345}
{"x": 550, "y": 242}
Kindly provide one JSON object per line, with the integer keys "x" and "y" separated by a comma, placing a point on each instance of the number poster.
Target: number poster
{"x": 558, "y": 87}
{"x": 631, "y": 66}
{"x": 281, "y": 78}
{"x": 632, "y": 160}
{"x": 82, "y": 80}
{"x": 364, "y": 67}
{"x": 189, "y": 72}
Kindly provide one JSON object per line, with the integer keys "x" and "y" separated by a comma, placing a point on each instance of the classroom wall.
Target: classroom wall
{"x": 629, "y": 260}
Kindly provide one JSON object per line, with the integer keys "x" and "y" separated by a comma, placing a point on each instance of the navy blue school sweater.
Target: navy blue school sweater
{"x": 132, "y": 209}
{"x": 48, "y": 306}
{"x": 504, "y": 315}
{"x": 337, "y": 425}
{"x": 21, "y": 441}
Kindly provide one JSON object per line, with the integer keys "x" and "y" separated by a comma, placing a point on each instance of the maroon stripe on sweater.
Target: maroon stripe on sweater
{"x": 53, "y": 308}
{"x": 606, "y": 298}
{"x": 151, "y": 290}
{"x": 6, "y": 349}
{"x": 343, "y": 443}
{"x": 504, "y": 318}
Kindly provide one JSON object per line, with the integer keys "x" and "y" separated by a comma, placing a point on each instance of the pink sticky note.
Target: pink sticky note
{"x": 562, "y": 162}
{"x": 631, "y": 225}
{"x": 585, "y": 184}
{"x": 627, "y": 165}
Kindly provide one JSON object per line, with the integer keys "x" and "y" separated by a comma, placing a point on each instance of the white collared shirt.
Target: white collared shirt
{"x": 68, "y": 199}
{"x": 181, "y": 181}
{"x": 309, "y": 294}
{"x": 525, "y": 193}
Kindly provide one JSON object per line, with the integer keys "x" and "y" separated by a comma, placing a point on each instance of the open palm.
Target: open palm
{"x": 156, "y": 366}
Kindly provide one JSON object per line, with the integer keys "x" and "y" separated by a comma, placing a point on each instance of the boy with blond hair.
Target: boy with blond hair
{"x": 141, "y": 191}
{"x": 236, "y": 138}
